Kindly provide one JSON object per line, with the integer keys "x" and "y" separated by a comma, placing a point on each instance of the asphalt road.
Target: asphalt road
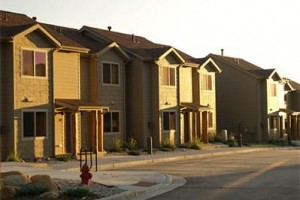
{"x": 267, "y": 175}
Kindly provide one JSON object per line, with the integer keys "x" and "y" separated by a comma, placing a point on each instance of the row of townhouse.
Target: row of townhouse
{"x": 62, "y": 89}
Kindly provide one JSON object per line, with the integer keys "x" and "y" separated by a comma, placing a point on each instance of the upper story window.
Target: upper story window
{"x": 34, "y": 124}
{"x": 273, "y": 90}
{"x": 206, "y": 82}
{"x": 33, "y": 63}
{"x": 169, "y": 76}
{"x": 112, "y": 122}
{"x": 110, "y": 73}
{"x": 169, "y": 120}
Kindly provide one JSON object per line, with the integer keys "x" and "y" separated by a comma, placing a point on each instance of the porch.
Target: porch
{"x": 78, "y": 123}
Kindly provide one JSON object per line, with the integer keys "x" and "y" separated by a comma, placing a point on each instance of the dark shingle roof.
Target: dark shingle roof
{"x": 13, "y": 23}
{"x": 242, "y": 65}
{"x": 295, "y": 85}
{"x": 135, "y": 44}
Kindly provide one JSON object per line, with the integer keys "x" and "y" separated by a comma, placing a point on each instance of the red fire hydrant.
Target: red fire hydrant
{"x": 86, "y": 176}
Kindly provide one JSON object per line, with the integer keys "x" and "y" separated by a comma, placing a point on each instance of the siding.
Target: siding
{"x": 186, "y": 85}
{"x": 237, "y": 100}
{"x": 66, "y": 75}
{"x": 39, "y": 91}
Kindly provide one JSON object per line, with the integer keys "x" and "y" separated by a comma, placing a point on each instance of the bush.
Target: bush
{"x": 232, "y": 141}
{"x": 133, "y": 153}
{"x": 167, "y": 145}
{"x": 117, "y": 144}
{"x": 131, "y": 144}
{"x": 211, "y": 137}
{"x": 32, "y": 191}
{"x": 196, "y": 144}
{"x": 64, "y": 158}
{"x": 79, "y": 192}
{"x": 218, "y": 138}
{"x": 13, "y": 157}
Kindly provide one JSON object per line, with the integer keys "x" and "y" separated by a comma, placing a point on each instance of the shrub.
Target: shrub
{"x": 232, "y": 141}
{"x": 218, "y": 138}
{"x": 79, "y": 192}
{"x": 133, "y": 153}
{"x": 196, "y": 144}
{"x": 13, "y": 157}
{"x": 64, "y": 158}
{"x": 167, "y": 145}
{"x": 131, "y": 144}
{"x": 117, "y": 144}
{"x": 211, "y": 137}
{"x": 32, "y": 191}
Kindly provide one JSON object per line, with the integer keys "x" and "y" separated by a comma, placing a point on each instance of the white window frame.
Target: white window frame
{"x": 169, "y": 79}
{"x": 46, "y": 63}
{"x": 34, "y": 111}
{"x": 113, "y": 133}
{"x": 102, "y": 73}
{"x": 163, "y": 122}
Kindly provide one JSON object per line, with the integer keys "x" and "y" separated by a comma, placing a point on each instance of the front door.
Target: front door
{"x": 68, "y": 133}
{"x": 204, "y": 127}
{"x": 186, "y": 127}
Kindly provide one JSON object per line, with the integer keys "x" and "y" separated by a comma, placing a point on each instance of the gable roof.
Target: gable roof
{"x": 207, "y": 61}
{"x": 136, "y": 45}
{"x": 12, "y": 24}
{"x": 245, "y": 66}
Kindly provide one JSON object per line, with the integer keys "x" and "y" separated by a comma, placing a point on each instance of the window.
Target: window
{"x": 206, "y": 82}
{"x": 169, "y": 76}
{"x": 210, "y": 119}
{"x": 273, "y": 122}
{"x": 34, "y": 124}
{"x": 169, "y": 121}
{"x": 273, "y": 89}
{"x": 112, "y": 122}
{"x": 33, "y": 63}
{"x": 110, "y": 73}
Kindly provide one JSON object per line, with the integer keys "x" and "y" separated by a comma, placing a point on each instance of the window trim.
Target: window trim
{"x": 210, "y": 123}
{"x": 163, "y": 122}
{"x": 169, "y": 77}
{"x": 112, "y": 133}
{"x": 46, "y": 63}
{"x": 207, "y": 88}
{"x": 22, "y": 121}
{"x": 102, "y": 73}
{"x": 273, "y": 89}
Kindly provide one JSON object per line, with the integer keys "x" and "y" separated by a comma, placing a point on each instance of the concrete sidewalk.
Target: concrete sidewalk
{"x": 153, "y": 183}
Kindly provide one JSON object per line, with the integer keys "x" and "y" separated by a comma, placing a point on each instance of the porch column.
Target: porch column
{"x": 298, "y": 126}
{"x": 294, "y": 127}
{"x": 289, "y": 128}
{"x": 100, "y": 131}
{"x": 278, "y": 126}
{"x": 96, "y": 130}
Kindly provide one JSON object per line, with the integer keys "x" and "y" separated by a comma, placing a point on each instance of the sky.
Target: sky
{"x": 263, "y": 32}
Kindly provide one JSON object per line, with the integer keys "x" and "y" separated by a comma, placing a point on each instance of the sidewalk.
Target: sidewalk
{"x": 138, "y": 185}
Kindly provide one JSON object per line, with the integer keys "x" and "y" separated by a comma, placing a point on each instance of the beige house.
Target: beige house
{"x": 68, "y": 90}
{"x": 292, "y": 99}
{"x": 26, "y": 113}
{"x": 198, "y": 99}
{"x": 164, "y": 96}
{"x": 250, "y": 100}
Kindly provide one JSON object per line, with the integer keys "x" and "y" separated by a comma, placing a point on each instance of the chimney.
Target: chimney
{"x": 222, "y": 52}
{"x": 34, "y": 18}
{"x": 133, "y": 38}
{"x": 109, "y": 28}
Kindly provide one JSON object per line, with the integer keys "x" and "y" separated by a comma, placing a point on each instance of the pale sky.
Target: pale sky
{"x": 264, "y": 32}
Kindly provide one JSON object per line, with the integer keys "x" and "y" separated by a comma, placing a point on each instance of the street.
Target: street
{"x": 259, "y": 175}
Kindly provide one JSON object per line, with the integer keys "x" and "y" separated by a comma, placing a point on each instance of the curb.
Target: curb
{"x": 135, "y": 193}
{"x": 177, "y": 158}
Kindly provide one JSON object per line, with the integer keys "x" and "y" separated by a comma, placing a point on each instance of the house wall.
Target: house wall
{"x": 7, "y": 99}
{"x": 238, "y": 101}
{"x": 186, "y": 84}
{"x": 208, "y": 97}
{"x": 134, "y": 100}
{"x": 66, "y": 75}
{"x": 112, "y": 95}
{"x": 168, "y": 101}
{"x": 39, "y": 91}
